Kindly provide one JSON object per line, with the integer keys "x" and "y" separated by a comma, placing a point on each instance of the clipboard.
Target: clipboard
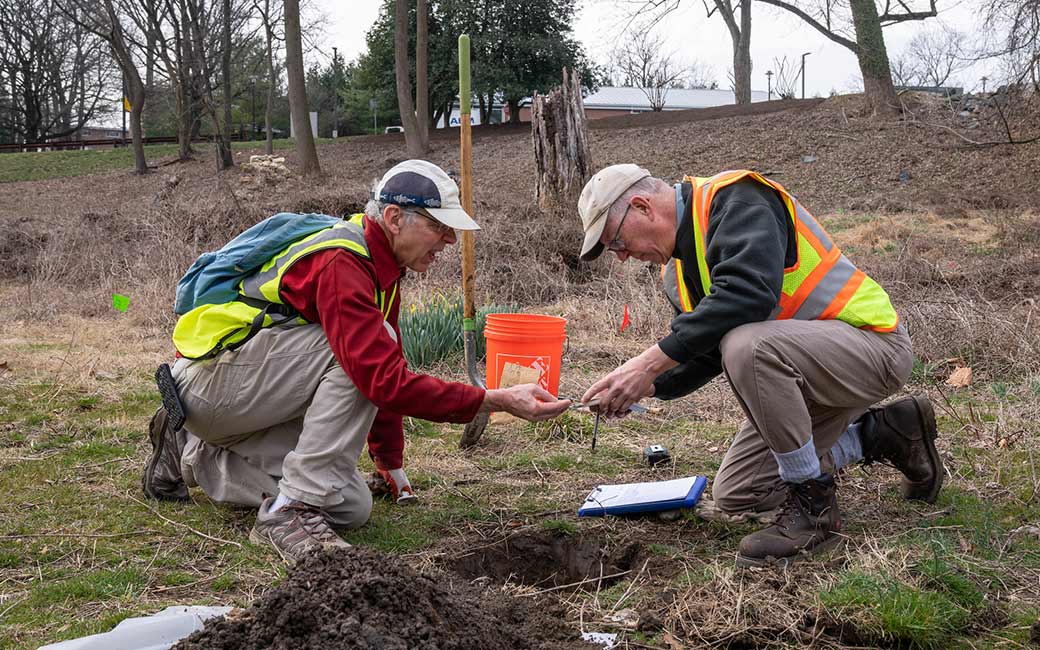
{"x": 634, "y": 498}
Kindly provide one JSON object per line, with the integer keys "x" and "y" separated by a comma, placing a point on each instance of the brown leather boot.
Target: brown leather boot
{"x": 808, "y": 523}
{"x": 902, "y": 434}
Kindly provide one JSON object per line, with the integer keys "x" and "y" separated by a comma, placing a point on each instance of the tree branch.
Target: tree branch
{"x": 840, "y": 40}
{"x": 889, "y": 18}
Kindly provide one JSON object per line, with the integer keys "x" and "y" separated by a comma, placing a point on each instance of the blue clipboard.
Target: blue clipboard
{"x": 634, "y": 498}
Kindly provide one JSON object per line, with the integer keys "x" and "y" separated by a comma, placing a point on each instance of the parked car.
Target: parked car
{"x": 394, "y": 129}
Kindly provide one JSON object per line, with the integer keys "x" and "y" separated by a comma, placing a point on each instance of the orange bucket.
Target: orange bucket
{"x": 530, "y": 340}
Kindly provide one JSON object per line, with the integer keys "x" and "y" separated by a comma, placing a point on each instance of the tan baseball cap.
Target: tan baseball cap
{"x": 596, "y": 198}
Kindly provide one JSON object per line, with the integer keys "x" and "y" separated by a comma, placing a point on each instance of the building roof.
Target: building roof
{"x": 634, "y": 99}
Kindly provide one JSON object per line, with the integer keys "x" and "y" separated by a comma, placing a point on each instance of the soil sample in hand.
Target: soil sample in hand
{"x": 359, "y": 598}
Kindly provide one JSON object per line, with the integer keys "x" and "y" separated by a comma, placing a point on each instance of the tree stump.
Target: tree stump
{"x": 561, "y": 145}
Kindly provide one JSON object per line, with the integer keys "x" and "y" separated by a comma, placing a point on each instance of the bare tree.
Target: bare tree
{"x": 271, "y": 19}
{"x": 699, "y": 75}
{"x": 785, "y": 81}
{"x": 739, "y": 27}
{"x": 53, "y": 71}
{"x": 931, "y": 58}
{"x": 642, "y": 62}
{"x": 224, "y": 158}
{"x": 738, "y": 22}
{"x": 402, "y": 71}
{"x": 1013, "y": 37}
{"x": 102, "y": 18}
{"x": 866, "y": 40}
{"x": 309, "y": 165}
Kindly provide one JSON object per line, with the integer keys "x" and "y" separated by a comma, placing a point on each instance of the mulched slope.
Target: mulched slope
{"x": 363, "y": 599}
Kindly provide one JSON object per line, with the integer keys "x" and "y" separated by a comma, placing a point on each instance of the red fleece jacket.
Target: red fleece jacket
{"x": 336, "y": 288}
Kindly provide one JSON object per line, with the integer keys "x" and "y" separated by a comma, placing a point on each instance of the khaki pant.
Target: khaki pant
{"x": 277, "y": 415}
{"x": 796, "y": 379}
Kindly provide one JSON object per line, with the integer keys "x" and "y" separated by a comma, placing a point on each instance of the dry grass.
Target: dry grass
{"x": 74, "y": 404}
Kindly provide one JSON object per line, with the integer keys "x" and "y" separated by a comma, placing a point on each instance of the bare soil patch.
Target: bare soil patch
{"x": 359, "y": 598}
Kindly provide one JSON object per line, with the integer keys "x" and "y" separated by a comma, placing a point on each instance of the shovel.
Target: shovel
{"x": 472, "y": 432}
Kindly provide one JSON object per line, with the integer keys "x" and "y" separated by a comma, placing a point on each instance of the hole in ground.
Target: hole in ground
{"x": 546, "y": 560}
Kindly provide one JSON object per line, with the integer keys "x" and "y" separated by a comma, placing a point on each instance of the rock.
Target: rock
{"x": 809, "y": 159}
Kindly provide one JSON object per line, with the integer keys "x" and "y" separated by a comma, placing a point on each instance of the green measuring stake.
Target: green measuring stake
{"x": 120, "y": 302}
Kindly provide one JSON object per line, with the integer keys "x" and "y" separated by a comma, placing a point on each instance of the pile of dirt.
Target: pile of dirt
{"x": 360, "y": 598}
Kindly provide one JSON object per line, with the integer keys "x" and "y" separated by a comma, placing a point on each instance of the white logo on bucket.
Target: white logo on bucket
{"x": 540, "y": 363}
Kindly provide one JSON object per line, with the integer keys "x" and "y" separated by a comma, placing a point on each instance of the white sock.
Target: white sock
{"x": 280, "y": 502}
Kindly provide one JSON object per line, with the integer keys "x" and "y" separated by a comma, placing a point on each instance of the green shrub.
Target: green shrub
{"x": 432, "y": 332}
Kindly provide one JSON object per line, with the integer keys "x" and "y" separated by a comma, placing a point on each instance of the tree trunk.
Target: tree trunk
{"x": 422, "y": 86}
{"x": 224, "y": 158}
{"x": 742, "y": 56}
{"x": 561, "y": 146}
{"x": 873, "y": 58}
{"x": 137, "y": 98}
{"x": 309, "y": 165}
{"x": 483, "y": 108}
{"x": 412, "y": 137}
{"x": 271, "y": 79}
{"x": 514, "y": 111}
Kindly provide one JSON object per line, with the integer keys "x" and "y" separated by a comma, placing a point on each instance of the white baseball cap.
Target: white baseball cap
{"x": 596, "y": 198}
{"x": 421, "y": 184}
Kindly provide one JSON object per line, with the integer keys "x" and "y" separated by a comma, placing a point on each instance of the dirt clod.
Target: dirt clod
{"x": 360, "y": 598}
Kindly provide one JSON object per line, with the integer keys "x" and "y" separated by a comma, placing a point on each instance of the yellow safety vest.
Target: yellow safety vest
{"x": 208, "y": 330}
{"x": 822, "y": 283}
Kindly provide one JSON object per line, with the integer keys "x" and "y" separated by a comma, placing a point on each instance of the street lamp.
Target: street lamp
{"x": 984, "y": 80}
{"x": 803, "y": 72}
{"x": 335, "y": 93}
{"x": 769, "y": 81}
{"x": 252, "y": 84}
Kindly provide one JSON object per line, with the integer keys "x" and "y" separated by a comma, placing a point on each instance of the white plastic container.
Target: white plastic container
{"x": 156, "y": 632}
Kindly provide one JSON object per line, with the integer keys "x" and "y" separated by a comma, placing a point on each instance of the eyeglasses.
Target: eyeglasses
{"x": 438, "y": 227}
{"x": 617, "y": 244}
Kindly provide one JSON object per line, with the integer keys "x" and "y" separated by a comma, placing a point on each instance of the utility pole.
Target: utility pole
{"x": 984, "y": 80}
{"x": 803, "y": 72}
{"x": 335, "y": 93}
{"x": 769, "y": 81}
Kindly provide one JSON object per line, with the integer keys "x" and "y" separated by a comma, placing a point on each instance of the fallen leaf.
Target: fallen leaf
{"x": 672, "y": 642}
{"x": 960, "y": 378}
{"x": 626, "y": 618}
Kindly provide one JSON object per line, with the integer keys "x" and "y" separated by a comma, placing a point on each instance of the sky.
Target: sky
{"x": 693, "y": 37}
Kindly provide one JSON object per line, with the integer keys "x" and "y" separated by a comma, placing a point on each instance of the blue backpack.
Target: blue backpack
{"x": 214, "y": 277}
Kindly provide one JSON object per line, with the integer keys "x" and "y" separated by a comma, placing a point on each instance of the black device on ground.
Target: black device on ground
{"x": 170, "y": 399}
{"x": 656, "y": 454}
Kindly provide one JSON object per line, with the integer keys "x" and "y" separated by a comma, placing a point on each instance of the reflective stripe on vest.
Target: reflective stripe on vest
{"x": 675, "y": 286}
{"x": 210, "y": 329}
{"x": 822, "y": 284}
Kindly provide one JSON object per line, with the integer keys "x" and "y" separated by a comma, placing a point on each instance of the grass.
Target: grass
{"x": 81, "y": 550}
{"x": 38, "y": 166}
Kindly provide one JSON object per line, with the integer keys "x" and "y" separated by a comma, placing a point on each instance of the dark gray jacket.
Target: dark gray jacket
{"x": 750, "y": 241}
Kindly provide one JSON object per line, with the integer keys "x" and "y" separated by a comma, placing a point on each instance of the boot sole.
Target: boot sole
{"x": 926, "y": 415}
{"x": 146, "y": 480}
{"x": 745, "y": 562}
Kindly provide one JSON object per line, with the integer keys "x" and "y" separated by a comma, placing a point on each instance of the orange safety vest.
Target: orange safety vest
{"x": 822, "y": 283}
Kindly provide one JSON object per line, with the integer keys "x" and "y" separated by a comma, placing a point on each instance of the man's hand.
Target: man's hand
{"x": 528, "y": 401}
{"x": 629, "y": 383}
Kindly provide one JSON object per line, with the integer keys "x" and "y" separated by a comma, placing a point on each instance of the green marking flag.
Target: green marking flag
{"x": 120, "y": 302}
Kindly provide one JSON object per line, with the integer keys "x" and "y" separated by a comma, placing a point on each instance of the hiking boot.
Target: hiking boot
{"x": 294, "y": 529}
{"x": 902, "y": 434}
{"x": 808, "y": 523}
{"x": 162, "y": 475}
